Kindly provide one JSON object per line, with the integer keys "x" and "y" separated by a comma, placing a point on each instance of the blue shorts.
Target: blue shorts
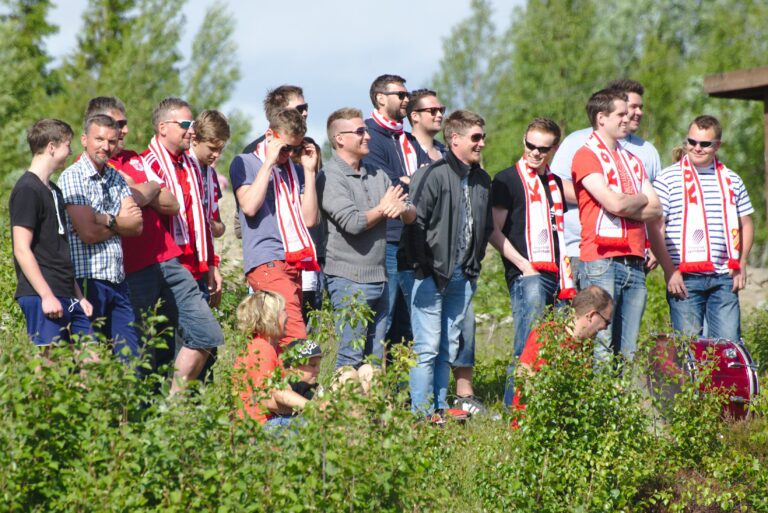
{"x": 113, "y": 314}
{"x": 44, "y": 331}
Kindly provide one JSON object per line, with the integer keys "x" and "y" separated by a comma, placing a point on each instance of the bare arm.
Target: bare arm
{"x": 309, "y": 206}
{"x": 92, "y": 227}
{"x": 569, "y": 192}
{"x": 22, "y": 250}
{"x": 144, "y": 193}
{"x": 165, "y": 203}
{"x": 251, "y": 197}
{"x": 504, "y": 246}
{"x": 652, "y": 210}
{"x": 747, "y": 237}
{"x": 285, "y": 401}
{"x": 618, "y": 204}
{"x": 673, "y": 277}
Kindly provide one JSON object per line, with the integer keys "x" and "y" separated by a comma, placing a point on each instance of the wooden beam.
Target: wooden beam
{"x": 747, "y": 84}
{"x": 765, "y": 150}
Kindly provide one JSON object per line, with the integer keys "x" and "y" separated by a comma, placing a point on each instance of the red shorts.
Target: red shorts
{"x": 285, "y": 279}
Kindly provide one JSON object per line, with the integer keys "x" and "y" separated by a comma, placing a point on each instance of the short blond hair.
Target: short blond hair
{"x": 344, "y": 113}
{"x": 211, "y": 126}
{"x": 259, "y": 314}
{"x": 289, "y": 122}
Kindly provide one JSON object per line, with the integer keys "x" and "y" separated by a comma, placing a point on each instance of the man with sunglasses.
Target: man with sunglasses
{"x": 445, "y": 246}
{"x": 357, "y": 201}
{"x": 704, "y": 237}
{"x": 528, "y": 207}
{"x": 179, "y": 248}
{"x": 616, "y": 200}
{"x": 633, "y": 143}
{"x": 280, "y": 98}
{"x": 425, "y": 113}
{"x": 277, "y": 202}
{"x": 399, "y": 154}
{"x": 101, "y": 210}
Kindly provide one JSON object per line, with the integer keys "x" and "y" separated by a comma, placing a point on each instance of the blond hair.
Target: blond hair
{"x": 259, "y": 314}
{"x": 289, "y": 122}
{"x": 211, "y": 126}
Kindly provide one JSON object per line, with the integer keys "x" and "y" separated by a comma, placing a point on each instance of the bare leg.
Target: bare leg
{"x": 463, "y": 377}
{"x": 189, "y": 363}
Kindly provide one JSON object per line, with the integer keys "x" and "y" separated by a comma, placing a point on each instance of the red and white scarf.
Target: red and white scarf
{"x": 538, "y": 229}
{"x": 696, "y": 248}
{"x": 208, "y": 182}
{"x": 396, "y": 127}
{"x": 297, "y": 243}
{"x": 611, "y": 230}
{"x": 180, "y": 223}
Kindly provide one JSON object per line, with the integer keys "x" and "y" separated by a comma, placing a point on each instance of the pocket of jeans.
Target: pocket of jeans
{"x": 596, "y": 268}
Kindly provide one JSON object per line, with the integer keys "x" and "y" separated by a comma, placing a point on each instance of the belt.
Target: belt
{"x": 630, "y": 260}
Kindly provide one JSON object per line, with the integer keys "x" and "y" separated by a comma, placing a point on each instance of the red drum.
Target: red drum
{"x": 734, "y": 372}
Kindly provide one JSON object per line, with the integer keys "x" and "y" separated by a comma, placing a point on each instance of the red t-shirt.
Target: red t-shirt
{"x": 188, "y": 257}
{"x": 257, "y": 365}
{"x": 585, "y": 162}
{"x": 155, "y": 244}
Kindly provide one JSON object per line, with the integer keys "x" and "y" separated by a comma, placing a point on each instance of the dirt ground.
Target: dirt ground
{"x": 230, "y": 249}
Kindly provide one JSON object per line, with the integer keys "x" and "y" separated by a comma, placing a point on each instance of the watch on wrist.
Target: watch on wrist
{"x": 111, "y": 221}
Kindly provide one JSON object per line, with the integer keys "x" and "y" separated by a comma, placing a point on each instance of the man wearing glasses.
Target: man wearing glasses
{"x": 101, "y": 209}
{"x": 425, "y": 113}
{"x": 616, "y": 199}
{"x": 704, "y": 237}
{"x": 169, "y": 275}
{"x": 280, "y": 98}
{"x": 633, "y": 143}
{"x": 528, "y": 206}
{"x": 277, "y": 202}
{"x": 445, "y": 246}
{"x": 399, "y": 154}
{"x": 357, "y": 201}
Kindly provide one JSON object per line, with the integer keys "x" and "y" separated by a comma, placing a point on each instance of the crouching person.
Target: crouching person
{"x": 265, "y": 399}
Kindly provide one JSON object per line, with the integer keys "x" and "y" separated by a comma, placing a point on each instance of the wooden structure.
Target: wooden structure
{"x": 747, "y": 84}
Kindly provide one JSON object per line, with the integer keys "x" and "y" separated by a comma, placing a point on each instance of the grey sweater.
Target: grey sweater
{"x": 352, "y": 251}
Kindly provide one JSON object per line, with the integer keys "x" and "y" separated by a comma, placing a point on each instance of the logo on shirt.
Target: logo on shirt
{"x": 137, "y": 164}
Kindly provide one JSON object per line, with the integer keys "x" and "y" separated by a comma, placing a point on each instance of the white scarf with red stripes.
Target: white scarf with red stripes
{"x": 611, "y": 231}
{"x": 538, "y": 229}
{"x": 696, "y": 248}
{"x": 297, "y": 243}
{"x": 181, "y": 223}
{"x": 407, "y": 149}
{"x": 208, "y": 181}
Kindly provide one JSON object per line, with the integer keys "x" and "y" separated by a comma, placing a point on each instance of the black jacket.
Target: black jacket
{"x": 428, "y": 246}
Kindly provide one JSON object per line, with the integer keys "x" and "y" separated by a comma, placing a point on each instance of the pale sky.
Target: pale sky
{"x": 333, "y": 48}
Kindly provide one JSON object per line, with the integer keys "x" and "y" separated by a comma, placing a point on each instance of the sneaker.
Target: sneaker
{"x": 455, "y": 414}
{"x": 474, "y": 406}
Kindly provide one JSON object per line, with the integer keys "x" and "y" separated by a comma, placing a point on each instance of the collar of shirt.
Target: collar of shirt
{"x": 347, "y": 169}
{"x": 88, "y": 169}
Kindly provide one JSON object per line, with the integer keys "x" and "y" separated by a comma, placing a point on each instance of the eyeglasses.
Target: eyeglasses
{"x": 295, "y": 150}
{"x": 541, "y": 149}
{"x": 432, "y": 110}
{"x": 606, "y": 321}
{"x": 185, "y": 124}
{"x": 121, "y": 123}
{"x": 704, "y": 144}
{"x": 476, "y": 138}
{"x": 304, "y": 107}
{"x": 401, "y": 95}
{"x": 360, "y": 131}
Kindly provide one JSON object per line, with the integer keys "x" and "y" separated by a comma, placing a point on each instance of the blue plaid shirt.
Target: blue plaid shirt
{"x": 82, "y": 184}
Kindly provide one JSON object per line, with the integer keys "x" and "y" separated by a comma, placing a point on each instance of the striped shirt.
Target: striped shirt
{"x": 669, "y": 188}
{"x": 82, "y": 184}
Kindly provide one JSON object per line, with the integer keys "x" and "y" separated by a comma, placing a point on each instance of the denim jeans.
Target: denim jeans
{"x": 530, "y": 295}
{"x": 624, "y": 280}
{"x": 375, "y": 296}
{"x": 437, "y": 319}
{"x": 112, "y": 305}
{"x": 398, "y": 325}
{"x": 710, "y": 297}
{"x": 466, "y": 355}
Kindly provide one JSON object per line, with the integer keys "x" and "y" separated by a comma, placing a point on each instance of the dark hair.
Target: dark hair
{"x": 47, "y": 131}
{"x": 626, "y": 85}
{"x": 459, "y": 122}
{"x": 164, "y": 108}
{"x": 706, "y": 121}
{"x": 603, "y": 101}
{"x": 380, "y": 85}
{"x": 547, "y": 126}
{"x": 99, "y": 120}
{"x": 103, "y": 105}
{"x": 591, "y": 298}
{"x": 278, "y": 99}
{"x": 416, "y": 97}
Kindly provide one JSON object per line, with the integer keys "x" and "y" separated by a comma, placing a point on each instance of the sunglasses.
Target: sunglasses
{"x": 184, "y": 123}
{"x": 304, "y": 107}
{"x": 122, "y": 123}
{"x": 606, "y": 321}
{"x": 360, "y": 131}
{"x": 432, "y": 110}
{"x": 401, "y": 95}
{"x": 294, "y": 150}
{"x": 476, "y": 138}
{"x": 703, "y": 144}
{"x": 541, "y": 149}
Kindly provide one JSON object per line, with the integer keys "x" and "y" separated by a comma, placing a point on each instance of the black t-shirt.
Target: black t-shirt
{"x": 32, "y": 206}
{"x": 507, "y": 192}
